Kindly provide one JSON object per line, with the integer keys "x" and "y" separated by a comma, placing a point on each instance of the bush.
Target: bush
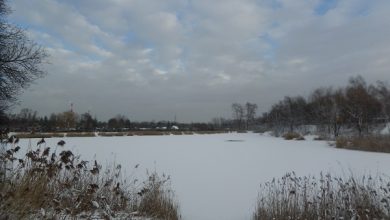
{"x": 156, "y": 200}
{"x": 293, "y": 135}
{"x": 379, "y": 143}
{"x": 45, "y": 184}
{"x": 341, "y": 142}
{"x": 328, "y": 197}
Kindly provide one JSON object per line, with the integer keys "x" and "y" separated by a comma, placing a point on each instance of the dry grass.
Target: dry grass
{"x": 378, "y": 143}
{"x": 341, "y": 142}
{"x": 157, "y": 201}
{"x": 80, "y": 134}
{"x": 326, "y": 197}
{"x": 321, "y": 138}
{"x": 293, "y": 136}
{"x": 44, "y": 184}
{"x": 371, "y": 143}
{"x": 209, "y": 132}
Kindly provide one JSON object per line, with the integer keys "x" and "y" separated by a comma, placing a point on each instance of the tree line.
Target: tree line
{"x": 244, "y": 115}
{"x": 358, "y": 108}
{"x": 28, "y": 120}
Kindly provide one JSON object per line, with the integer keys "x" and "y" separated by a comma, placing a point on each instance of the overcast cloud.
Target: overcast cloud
{"x": 193, "y": 58}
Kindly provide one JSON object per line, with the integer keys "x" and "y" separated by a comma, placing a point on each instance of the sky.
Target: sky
{"x": 154, "y": 60}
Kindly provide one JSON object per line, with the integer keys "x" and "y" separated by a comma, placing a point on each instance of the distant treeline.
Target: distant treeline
{"x": 358, "y": 108}
{"x": 27, "y": 120}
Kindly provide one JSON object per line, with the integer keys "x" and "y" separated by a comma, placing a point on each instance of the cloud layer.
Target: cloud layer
{"x": 156, "y": 59}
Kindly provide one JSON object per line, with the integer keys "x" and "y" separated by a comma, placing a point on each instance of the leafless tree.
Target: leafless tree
{"x": 361, "y": 105}
{"x": 20, "y": 60}
{"x": 326, "y": 106}
{"x": 67, "y": 120}
{"x": 238, "y": 114}
{"x": 250, "y": 113}
{"x": 382, "y": 92}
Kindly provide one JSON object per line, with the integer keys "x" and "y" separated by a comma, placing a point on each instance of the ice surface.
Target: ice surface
{"x": 218, "y": 179}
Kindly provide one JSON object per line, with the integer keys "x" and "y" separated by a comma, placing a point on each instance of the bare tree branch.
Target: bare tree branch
{"x": 20, "y": 60}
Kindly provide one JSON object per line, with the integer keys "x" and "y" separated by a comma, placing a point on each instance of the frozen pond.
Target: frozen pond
{"x": 217, "y": 176}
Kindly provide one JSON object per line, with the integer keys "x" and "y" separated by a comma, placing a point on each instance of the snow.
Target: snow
{"x": 217, "y": 176}
{"x": 386, "y": 129}
{"x": 174, "y": 127}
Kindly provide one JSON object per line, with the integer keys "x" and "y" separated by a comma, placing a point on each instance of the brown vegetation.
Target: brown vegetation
{"x": 328, "y": 197}
{"x": 44, "y": 184}
{"x": 377, "y": 143}
{"x": 293, "y": 136}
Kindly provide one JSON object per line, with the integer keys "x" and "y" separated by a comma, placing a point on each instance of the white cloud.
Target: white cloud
{"x": 123, "y": 54}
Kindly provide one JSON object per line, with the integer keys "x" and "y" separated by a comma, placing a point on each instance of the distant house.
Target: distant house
{"x": 174, "y": 127}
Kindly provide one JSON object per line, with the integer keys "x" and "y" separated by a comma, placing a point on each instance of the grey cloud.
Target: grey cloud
{"x": 153, "y": 59}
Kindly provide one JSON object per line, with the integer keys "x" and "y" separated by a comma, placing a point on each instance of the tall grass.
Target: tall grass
{"x": 376, "y": 143}
{"x": 293, "y": 136}
{"x": 326, "y": 197}
{"x": 48, "y": 184}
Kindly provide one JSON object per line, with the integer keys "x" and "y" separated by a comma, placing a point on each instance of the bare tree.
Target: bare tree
{"x": 250, "y": 110}
{"x": 382, "y": 92}
{"x": 68, "y": 120}
{"x": 361, "y": 105}
{"x": 87, "y": 123}
{"x": 20, "y": 60}
{"x": 326, "y": 106}
{"x": 238, "y": 114}
{"x": 295, "y": 111}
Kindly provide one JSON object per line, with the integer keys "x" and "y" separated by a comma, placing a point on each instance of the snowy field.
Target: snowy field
{"x": 217, "y": 177}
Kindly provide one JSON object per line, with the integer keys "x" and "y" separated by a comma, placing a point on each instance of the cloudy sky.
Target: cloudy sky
{"x": 154, "y": 59}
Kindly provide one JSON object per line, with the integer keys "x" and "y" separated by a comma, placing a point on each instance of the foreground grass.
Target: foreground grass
{"x": 44, "y": 184}
{"x": 326, "y": 197}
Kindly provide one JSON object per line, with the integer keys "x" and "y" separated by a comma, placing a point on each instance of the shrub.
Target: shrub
{"x": 156, "y": 200}
{"x": 320, "y": 138}
{"x": 380, "y": 143}
{"x": 292, "y": 135}
{"x": 341, "y": 142}
{"x": 375, "y": 143}
{"x": 328, "y": 197}
{"x": 44, "y": 184}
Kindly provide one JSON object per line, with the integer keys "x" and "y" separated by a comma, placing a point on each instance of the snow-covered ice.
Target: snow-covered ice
{"x": 217, "y": 177}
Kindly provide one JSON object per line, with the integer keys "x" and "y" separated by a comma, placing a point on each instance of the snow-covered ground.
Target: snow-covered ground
{"x": 217, "y": 177}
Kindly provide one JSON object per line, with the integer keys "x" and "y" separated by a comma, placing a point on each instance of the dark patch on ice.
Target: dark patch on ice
{"x": 235, "y": 140}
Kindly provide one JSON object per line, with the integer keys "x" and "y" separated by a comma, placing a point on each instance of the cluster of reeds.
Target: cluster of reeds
{"x": 293, "y": 136}
{"x": 325, "y": 197}
{"x": 46, "y": 183}
{"x": 157, "y": 200}
{"x": 376, "y": 143}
